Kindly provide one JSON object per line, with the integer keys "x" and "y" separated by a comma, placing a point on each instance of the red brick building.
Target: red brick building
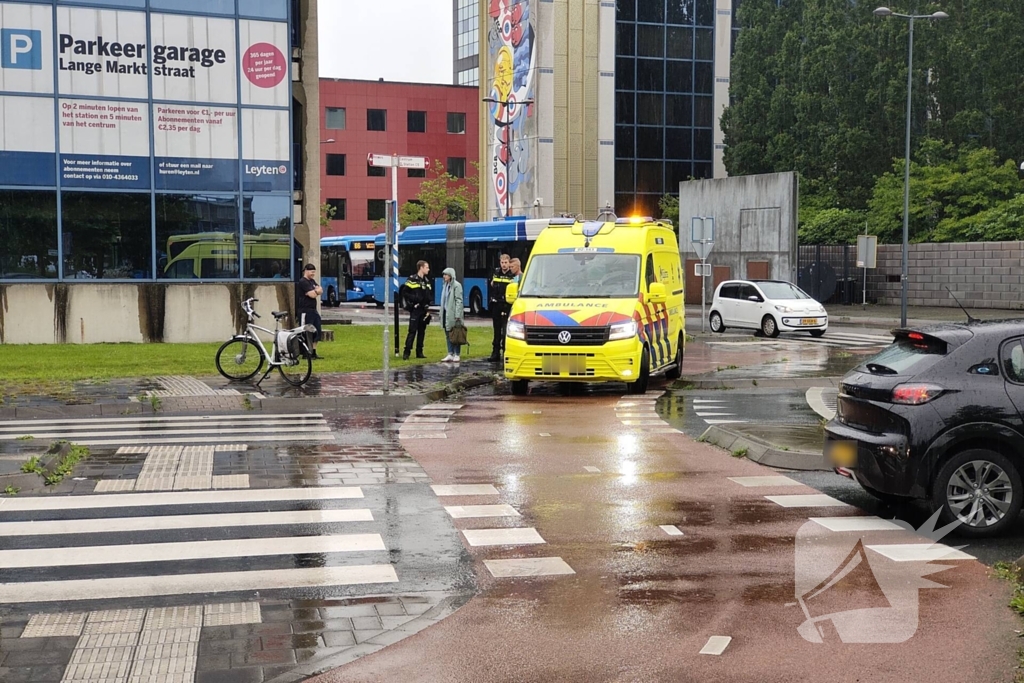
{"x": 440, "y": 122}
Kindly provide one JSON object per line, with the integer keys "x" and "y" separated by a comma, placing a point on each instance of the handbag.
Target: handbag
{"x": 458, "y": 334}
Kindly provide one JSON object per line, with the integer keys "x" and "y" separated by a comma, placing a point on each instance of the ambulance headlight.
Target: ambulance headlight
{"x": 514, "y": 329}
{"x": 622, "y": 331}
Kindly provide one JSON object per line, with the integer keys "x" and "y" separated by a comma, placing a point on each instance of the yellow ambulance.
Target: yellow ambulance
{"x": 599, "y": 301}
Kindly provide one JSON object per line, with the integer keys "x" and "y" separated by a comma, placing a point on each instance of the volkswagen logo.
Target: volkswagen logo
{"x": 564, "y": 337}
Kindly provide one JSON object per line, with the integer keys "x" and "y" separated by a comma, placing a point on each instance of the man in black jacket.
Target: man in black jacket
{"x": 500, "y": 281}
{"x": 417, "y": 296}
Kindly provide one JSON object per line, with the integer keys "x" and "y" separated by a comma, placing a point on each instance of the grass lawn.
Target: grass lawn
{"x": 355, "y": 348}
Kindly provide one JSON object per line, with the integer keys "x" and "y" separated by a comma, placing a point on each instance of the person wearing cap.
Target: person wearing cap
{"x": 307, "y": 294}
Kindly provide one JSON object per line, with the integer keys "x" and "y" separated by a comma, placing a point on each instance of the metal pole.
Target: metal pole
{"x": 703, "y": 291}
{"x": 865, "y": 301}
{"x": 906, "y": 184}
{"x": 508, "y": 161}
{"x": 392, "y": 219}
{"x": 394, "y": 282}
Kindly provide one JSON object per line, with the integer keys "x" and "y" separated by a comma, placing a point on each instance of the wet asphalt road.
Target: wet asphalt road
{"x": 640, "y": 604}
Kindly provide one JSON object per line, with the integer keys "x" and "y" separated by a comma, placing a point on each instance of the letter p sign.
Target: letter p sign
{"x": 21, "y": 49}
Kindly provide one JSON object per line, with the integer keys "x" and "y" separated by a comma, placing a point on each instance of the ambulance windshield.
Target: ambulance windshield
{"x": 582, "y": 274}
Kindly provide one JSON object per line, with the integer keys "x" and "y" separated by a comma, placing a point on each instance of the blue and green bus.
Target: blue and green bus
{"x": 346, "y": 268}
{"x": 473, "y": 249}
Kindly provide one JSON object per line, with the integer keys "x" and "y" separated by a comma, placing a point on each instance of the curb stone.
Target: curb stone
{"x": 333, "y": 658}
{"x": 31, "y": 482}
{"x": 699, "y": 382}
{"x": 764, "y": 453}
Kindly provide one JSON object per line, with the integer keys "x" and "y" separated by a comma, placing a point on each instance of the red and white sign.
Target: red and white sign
{"x": 264, "y": 65}
{"x": 412, "y": 162}
{"x": 402, "y": 162}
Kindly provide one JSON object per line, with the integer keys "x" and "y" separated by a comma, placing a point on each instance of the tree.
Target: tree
{"x": 327, "y": 212}
{"x": 669, "y": 208}
{"x": 954, "y": 195}
{"x": 442, "y": 198}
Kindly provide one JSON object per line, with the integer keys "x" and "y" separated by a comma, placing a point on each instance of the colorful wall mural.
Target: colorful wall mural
{"x": 512, "y": 51}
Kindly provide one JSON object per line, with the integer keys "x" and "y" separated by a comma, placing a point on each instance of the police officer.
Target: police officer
{"x": 417, "y": 295}
{"x": 500, "y": 281}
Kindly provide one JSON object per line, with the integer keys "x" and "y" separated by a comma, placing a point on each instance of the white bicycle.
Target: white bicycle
{"x": 242, "y": 357}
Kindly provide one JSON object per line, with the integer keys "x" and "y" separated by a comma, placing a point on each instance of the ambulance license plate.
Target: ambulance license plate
{"x": 557, "y": 365}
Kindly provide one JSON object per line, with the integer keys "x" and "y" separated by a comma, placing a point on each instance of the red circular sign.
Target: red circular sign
{"x": 264, "y": 65}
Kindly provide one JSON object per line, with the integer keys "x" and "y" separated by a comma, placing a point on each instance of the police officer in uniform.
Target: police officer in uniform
{"x": 417, "y": 295}
{"x": 500, "y": 309}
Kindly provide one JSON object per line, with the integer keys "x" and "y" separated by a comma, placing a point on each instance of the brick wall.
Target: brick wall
{"x": 980, "y": 274}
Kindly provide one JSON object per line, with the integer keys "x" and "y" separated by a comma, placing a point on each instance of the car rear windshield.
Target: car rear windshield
{"x": 906, "y": 356}
{"x": 781, "y": 291}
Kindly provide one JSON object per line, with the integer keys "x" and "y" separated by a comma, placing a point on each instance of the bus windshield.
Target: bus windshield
{"x": 582, "y": 274}
{"x": 362, "y": 264}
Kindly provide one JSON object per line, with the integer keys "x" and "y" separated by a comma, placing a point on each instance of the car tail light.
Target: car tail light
{"x": 916, "y": 336}
{"x": 916, "y": 394}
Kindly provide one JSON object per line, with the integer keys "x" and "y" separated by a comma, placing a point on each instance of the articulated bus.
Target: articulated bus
{"x": 346, "y": 269}
{"x": 472, "y": 249}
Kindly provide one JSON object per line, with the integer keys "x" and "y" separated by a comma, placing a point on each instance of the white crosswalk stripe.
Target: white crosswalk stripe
{"x": 831, "y": 338}
{"x": 150, "y": 544}
{"x": 205, "y": 429}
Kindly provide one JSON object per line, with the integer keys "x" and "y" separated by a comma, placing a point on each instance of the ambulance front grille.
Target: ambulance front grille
{"x": 577, "y": 336}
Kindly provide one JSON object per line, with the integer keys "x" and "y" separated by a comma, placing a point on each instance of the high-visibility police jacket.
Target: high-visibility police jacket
{"x": 417, "y": 292}
{"x": 500, "y": 281}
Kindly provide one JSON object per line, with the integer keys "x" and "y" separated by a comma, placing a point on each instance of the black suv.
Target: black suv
{"x": 939, "y": 416}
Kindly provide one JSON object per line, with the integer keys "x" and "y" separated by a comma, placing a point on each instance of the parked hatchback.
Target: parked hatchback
{"x": 771, "y": 306}
{"x": 939, "y": 416}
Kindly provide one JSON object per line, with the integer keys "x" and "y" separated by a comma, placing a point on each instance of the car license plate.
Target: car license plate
{"x": 556, "y": 365}
{"x": 842, "y": 453}
{"x": 808, "y": 321}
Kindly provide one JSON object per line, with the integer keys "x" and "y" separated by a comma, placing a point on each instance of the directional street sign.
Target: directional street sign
{"x": 412, "y": 162}
{"x": 380, "y": 160}
{"x": 387, "y": 160}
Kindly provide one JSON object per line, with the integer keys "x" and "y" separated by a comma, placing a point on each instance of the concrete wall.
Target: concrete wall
{"x": 755, "y": 220}
{"x": 93, "y": 313}
{"x": 980, "y": 274}
{"x": 723, "y": 69}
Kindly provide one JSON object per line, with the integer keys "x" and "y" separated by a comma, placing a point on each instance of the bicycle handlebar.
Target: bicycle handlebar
{"x": 247, "y": 307}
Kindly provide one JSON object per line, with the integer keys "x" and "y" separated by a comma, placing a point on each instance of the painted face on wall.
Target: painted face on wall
{"x": 503, "y": 68}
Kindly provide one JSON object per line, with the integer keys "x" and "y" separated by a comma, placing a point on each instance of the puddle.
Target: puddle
{"x": 759, "y": 512}
{"x": 753, "y": 543}
{"x": 769, "y": 593}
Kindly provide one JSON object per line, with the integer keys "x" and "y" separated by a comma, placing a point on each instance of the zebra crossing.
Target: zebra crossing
{"x": 833, "y": 338}
{"x": 206, "y": 542}
{"x": 178, "y": 429}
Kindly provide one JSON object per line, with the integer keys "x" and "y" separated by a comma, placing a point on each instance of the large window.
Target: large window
{"x": 335, "y": 118}
{"x": 339, "y": 206}
{"x": 457, "y": 166}
{"x": 335, "y": 164}
{"x": 375, "y": 210}
{"x": 376, "y": 119}
{"x": 417, "y": 121}
{"x": 456, "y": 122}
{"x": 268, "y": 9}
{"x": 28, "y": 234}
{"x": 107, "y": 236}
{"x": 196, "y": 237}
{"x": 266, "y": 237}
{"x": 376, "y": 171}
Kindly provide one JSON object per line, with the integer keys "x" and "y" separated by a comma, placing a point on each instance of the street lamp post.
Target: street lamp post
{"x": 508, "y": 145}
{"x": 905, "y": 276}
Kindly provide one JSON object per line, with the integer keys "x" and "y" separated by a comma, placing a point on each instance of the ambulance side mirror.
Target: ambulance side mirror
{"x": 512, "y": 292}
{"x": 656, "y": 293}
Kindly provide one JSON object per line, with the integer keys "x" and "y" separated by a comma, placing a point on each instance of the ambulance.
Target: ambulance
{"x": 599, "y": 301}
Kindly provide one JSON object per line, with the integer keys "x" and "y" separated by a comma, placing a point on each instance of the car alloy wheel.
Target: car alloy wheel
{"x": 768, "y": 327}
{"x": 981, "y": 489}
{"x": 716, "y": 322}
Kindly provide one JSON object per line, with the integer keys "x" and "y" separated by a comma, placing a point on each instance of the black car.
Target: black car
{"x": 939, "y": 416}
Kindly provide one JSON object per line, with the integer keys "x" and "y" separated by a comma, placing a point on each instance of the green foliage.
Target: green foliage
{"x": 442, "y": 197}
{"x": 326, "y": 214}
{"x": 11, "y": 490}
{"x": 819, "y": 87}
{"x": 32, "y": 466}
{"x": 66, "y": 464}
{"x": 832, "y": 226}
{"x": 955, "y": 194}
{"x": 740, "y": 452}
{"x": 668, "y": 207}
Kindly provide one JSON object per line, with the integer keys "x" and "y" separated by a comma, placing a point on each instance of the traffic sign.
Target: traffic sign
{"x": 867, "y": 248}
{"x": 702, "y": 235}
{"x": 380, "y": 160}
{"x": 702, "y": 270}
{"x": 412, "y": 162}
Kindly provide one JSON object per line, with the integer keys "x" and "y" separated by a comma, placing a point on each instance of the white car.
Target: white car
{"x": 771, "y": 306}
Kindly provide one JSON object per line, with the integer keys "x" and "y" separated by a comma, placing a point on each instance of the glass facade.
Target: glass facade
{"x": 664, "y": 84}
{"x": 167, "y": 155}
{"x": 467, "y": 42}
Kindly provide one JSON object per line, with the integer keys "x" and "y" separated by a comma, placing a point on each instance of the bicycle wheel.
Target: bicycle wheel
{"x": 296, "y": 372}
{"x": 239, "y": 359}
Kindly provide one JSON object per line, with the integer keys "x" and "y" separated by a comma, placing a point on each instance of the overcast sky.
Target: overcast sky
{"x": 397, "y": 40}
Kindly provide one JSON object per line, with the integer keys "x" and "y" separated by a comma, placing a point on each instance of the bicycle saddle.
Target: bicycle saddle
{"x": 280, "y": 314}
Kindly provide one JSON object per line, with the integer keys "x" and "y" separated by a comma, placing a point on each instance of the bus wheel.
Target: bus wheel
{"x": 332, "y": 297}
{"x": 476, "y": 303}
